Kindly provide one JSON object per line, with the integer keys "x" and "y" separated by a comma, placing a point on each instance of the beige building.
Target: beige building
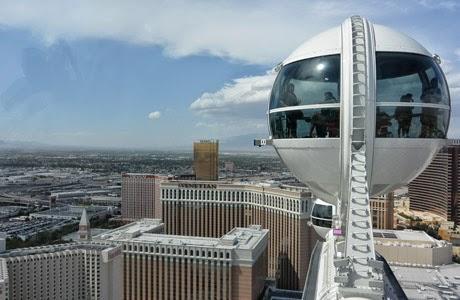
{"x": 140, "y": 196}
{"x": 382, "y": 209}
{"x": 66, "y": 271}
{"x": 210, "y": 209}
{"x": 437, "y": 188}
{"x": 160, "y": 266}
{"x": 411, "y": 247}
{"x": 206, "y": 160}
{"x": 4, "y": 281}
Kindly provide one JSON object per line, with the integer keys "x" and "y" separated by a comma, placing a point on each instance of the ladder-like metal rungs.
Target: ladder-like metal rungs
{"x": 358, "y": 174}
{"x": 361, "y": 168}
{"x": 360, "y": 179}
{"x": 364, "y": 214}
{"x": 363, "y": 248}
{"x": 359, "y": 240}
{"x": 361, "y": 235}
{"x": 364, "y": 226}
{"x": 359, "y": 189}
{"x": 360, "y": 201}
{"x": 358, "y": 158}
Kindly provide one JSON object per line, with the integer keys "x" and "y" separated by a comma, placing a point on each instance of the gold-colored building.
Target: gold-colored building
{"x": 382, "y": 209}
{"x": 206, "y": 159}
{"x": 210, "y": 209}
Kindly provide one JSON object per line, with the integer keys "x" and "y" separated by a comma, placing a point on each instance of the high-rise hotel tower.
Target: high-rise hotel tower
{"x": 140, "y": 196}
{"x": 436, "y": 189}
{"x": 206, "y": 159}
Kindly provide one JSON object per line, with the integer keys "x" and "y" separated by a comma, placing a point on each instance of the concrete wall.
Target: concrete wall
{"x": 415, "y": 255}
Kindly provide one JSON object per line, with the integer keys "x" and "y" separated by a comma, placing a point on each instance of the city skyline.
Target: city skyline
{"x": 94, "y": 97}
{"x": 143, "y": 82}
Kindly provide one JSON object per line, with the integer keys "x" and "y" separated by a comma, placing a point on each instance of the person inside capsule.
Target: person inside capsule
{"x": 310, "y": 106}
{"x": 412, "y": 99}
{"x": 419, "y": 84}
{"x": 290, "y": 99}
{"x": 403, "y": 114}
{"x": 429, "y": 117}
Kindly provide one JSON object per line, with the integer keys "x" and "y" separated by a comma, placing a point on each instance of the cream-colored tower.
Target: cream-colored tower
{"x": 84, "y": 229}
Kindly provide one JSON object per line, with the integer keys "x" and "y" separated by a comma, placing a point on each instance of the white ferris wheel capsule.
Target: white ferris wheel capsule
{"x": 357, "y": 111}
{"x": 405, "y": 114}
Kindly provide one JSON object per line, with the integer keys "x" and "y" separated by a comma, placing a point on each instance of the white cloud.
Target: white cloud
{"x": 457, "y": 52}
{"x": 261, "y": 32}
{"x": 154, "y": 115}
{"x": 436, "y": 4}
{"x": 238, "y": 98}
{"x": 453, "y": 80}
{"x": 237, "y": 108}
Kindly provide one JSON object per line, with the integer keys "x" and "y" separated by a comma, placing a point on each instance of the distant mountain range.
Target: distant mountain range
{"x": 235, "y": 143}
{"x": 241, "y": 142}
{"x": 4, "y": 144}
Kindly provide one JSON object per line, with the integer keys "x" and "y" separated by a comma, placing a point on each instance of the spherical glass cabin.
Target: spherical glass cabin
{"x": 407, "y": 117}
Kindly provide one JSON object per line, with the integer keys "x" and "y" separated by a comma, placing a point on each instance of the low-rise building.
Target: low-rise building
{"x": 4, "y": 281}
{"x": 71, "y": 212}
{"x": 411, "y": 247}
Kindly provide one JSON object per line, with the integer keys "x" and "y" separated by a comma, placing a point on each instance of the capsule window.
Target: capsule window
{"x": 403, "y": 74}
{"x": 307, "y": 123}
{"x": 412, "y": 97}
{"x": 411, "y": 122}
{"x": 310, "y": 81}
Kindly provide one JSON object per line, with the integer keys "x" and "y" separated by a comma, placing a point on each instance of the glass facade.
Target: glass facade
{"x": 411, "y": 93}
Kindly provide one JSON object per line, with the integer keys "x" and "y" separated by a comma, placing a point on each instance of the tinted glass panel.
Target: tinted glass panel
{"x": 322, "y": 215}
{"x": 309, "y": 123}
{"x": 403, "y": 77}
{"x": 321, "y": 223}
{"x": 310, "y": 81}
{"x": 411, "y": 122}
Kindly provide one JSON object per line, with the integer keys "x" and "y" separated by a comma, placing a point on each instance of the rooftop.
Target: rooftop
{"x": 407, "y": 238}
{"x": 267, "y": 185}
{"x": 404, "y": 235}
{"x": 132, "y": 230}
{"x": 55, "y": 248}
{"x": 72, "y": 212}
{"x": 150, "y": 175}
{"x": 441, "y": 282}
{"x": 144, "y": 231}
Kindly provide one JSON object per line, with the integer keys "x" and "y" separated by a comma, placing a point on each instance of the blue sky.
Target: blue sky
{"x": 151, "y": 74}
